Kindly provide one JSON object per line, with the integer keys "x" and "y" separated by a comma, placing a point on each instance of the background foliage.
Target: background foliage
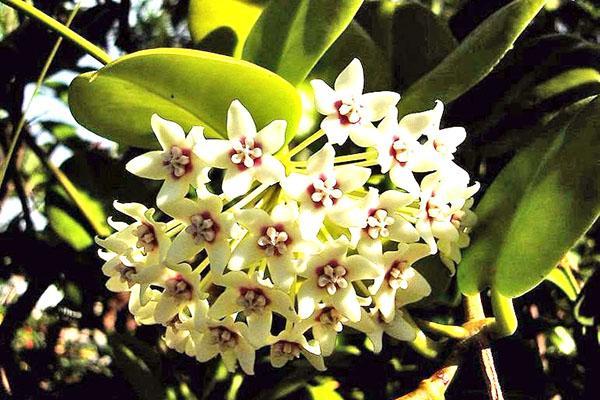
{"x": 66, "y": 336}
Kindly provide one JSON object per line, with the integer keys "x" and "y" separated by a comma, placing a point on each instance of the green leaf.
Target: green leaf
{"x": 556, "y": 210}
{"x": 561, "y": 279}
{"x": 375, "y": 64}
{"x": 189, "y": 87}
{"x": 421, "y": 40}
{"x": 134, "y": 369}
{"x": 536, "y": 208}
{"x": 290, "y": 37}
{"x": 473, "y": 59}
{"x": 68, "y": 223}
{"x": 213, "y": 23}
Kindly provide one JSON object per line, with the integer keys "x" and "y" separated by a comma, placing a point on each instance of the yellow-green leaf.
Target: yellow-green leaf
{"x": 190, "y": 87}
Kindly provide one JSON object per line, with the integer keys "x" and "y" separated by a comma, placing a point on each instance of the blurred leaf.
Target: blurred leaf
{"x": 325, "y": 391}
{"x": 473, "y": 59}
{"x": 534, "y": 211}
{"x": 223, "y": 23}
{"x": 140, "y": 376}
{"x": 375, "y": 64}
{"x": 66, "y": 220}
{"x": 586, "y": 309}
{"x": 563, "y": 340}
{"x": 567, "y": 80}
{"x": 559, "y": 277}
{"x": 421, "y": 40}
{"x": 290, "y": 37}
{"x": 189, "y": 87}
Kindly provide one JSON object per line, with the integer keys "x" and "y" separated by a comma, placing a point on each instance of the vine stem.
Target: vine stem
{"x": 474, "y": 312}
{"x": 21, "y": 124}
{"x": 61, "y": 29}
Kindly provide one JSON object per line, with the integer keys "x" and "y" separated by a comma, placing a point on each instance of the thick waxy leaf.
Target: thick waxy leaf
{"x": 223, "y": 25}
{"x": 420, "y": 40}
{"x": 556, "y": 210}
{"x": 537, "y": 207}
{"x": 189, "y": 87}
{"x": 375, "y": 64}
{"x": 473, "y": 59}
{"x": 290, "y": 37}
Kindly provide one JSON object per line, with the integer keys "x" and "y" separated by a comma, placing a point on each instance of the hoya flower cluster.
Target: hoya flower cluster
{"x": 285, "y": 253}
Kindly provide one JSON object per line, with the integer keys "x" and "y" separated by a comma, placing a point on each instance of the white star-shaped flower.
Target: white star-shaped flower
{"x": 399, "y": 151}
{"x": 176, "y": 163}
{"x": 375, "y": 326}
{"x": 383, "y": 222}
{"x": 227, "y": 338}
{"x": 256, "y": 298}
{"x": 206, "y": 227}
{"x": 400, "y": 284}
{"x": 290, "y": 343}
{"x": 274, "y": 237}
{"x": 246, "y": 155}
{"x": 442, "y": 194}
{"x": 322, "y": 190}
{"x": 329, "y": 276}
{"x": 180, "y": 286}
{"x": 348, "y": 111}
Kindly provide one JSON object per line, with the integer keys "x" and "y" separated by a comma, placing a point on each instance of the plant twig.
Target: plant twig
{"x": 474, "y": 312}
{"x": 61, "y": 29}
{"x": 19, "y": 128}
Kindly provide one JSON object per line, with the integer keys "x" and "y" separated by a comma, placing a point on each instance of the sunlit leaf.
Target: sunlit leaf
{"x": 473, "y": 59}
{"x": 290, "y": 37}
{"x": 225, "y": 24}
{"x": 187, "y": 86}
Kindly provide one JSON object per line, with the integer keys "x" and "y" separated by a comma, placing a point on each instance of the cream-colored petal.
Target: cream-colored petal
{"x": 245, "y": 254}
{"x": 351, "y": 177}
{"x": 379, "y": 104}
{"x": 270, "y": 170}
{"x": 214, "y": 152}
{"x": 148, "y": 165}
{"x": 418, "y": 288}
{"x": 346, "y": 302}
{"x": 226, "y": 304}
{"x": 218, "y": 255}
{"x": 325, "y": 97}
{"x": 422, "y": 123}
{"x": 321, "y": 161}
{"x": 246, "y": 356}
{"x": 308, "y": 296}
{"x": 351, "y": 79}
{"x": 364, "y": 135}
{"x": 239, "y": 122}
{"x": 360, "y": 268}
{"x": 296, "y": 186}
{"x": 272, "y": 136}
{"x": 259, "y": 328}
{"x": 236, "y": 182}
{"x": 183, "y": 248}
{"x": 167, "y": 132}
{"x": 337, "y": 133}
{"x": 403, "y": 178}
{"x": 326, "y": 336}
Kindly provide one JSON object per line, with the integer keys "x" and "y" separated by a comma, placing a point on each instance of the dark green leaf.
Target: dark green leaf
{"x": 473, "y": 59}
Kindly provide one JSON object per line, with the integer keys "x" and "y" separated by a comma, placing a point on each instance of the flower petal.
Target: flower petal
{"x": 423, "y": 123}
{"x": 346, "y": 302}
{"x": 270, "y": 171}
{"x": 272, "y": 136}
{"x": 245, "y": 254}
{"x": 351, "y": 177}
{"x": 364, "y": 135}
{"x": 239, "y": 122}
{"x": 379, "y": 104}
{"x": 326, "y": 337}
{"x": 183, "y": 248}
{"x": 167, "y": 132}
{"x": 215, "y": 152}
{"x": 226, "y": 304}
{"x": 351, "y": 80}
{"x": 308, "y": 296}
{"x": 335, "y": 131}
{"x": 236, "y": 183}
{"x": 148, "y": 165}
{"x": 418, "y": 288}
{"x": 218, "y": 255}
{"x": 403, "y": 178}
{"x": 325, "y": 97}
{"x": 321, "y": 161}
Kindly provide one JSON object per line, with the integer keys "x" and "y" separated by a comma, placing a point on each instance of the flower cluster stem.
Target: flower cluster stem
{"x": 305, "y": 143}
